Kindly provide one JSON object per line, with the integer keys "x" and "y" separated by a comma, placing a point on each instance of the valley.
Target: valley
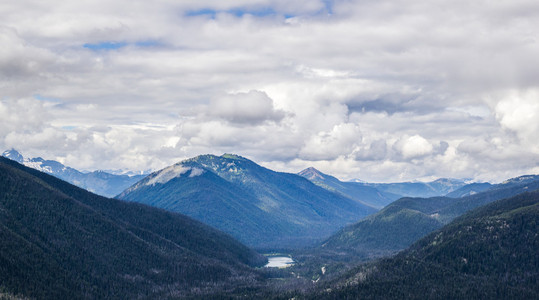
{"x": 269, "y": 149}
{"x": 260, "y": 207}
{"x": 328, "y": 239}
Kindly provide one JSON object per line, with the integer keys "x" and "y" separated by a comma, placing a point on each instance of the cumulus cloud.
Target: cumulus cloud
{"x": 341, "y": 140}
{"x": 519, "y": 111}
{"x": 416, "y": 146}
{"x": 253, "y": 107}
{"x": 375, "y": 151}
{"x": 362, "y": 89}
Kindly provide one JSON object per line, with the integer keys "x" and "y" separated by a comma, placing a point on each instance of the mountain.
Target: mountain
{"x": 434, "y": 188}
{"x": 354, "y": 190}
{"x": 488, "y": 253}
{"x": 406, "y": 220}
{"x": 470, "y": 189}
{"x": 99, "y": 182}
{"x": 62, "y": 242}
{"x": 260, "y": 207}
{"x": 381, "y": 194}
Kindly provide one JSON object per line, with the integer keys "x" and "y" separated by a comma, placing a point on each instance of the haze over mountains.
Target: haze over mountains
{"x": 99, "y": 182}
{"x": 260, "y": 207}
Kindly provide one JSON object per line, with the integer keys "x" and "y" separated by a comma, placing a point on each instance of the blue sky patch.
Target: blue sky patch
{"x": 118, "y": 45}
{"x": 238, "y": 12}
{"x": 148, "y": 43}
{"x": 329, "y": 6}
{"x": 105, "y": 46}
{"x": 46, "y": 99}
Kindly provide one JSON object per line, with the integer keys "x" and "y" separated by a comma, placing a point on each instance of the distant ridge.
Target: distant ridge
{"x": 406, "y": 220}
{"x": 358, "y": 191}
{"x": 99, "y": 182}
{"x": 381, "y": 194}
{"x": 470, "y": 189}
{"x": 438, "y": 187}
{"x": 260, "y": 207}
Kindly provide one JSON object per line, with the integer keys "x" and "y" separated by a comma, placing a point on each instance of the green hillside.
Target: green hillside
{"x": 406, "y": 220}
{"x": 489, "y": 253}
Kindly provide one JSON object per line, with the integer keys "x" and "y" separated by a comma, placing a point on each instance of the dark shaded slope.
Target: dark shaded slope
{"x": 262, "y": 208}
{"x": 489, "y": 253}
{"x": 211, "y": 200}
{"x": 406, "y": 220}
{"x": 62, "y": 242}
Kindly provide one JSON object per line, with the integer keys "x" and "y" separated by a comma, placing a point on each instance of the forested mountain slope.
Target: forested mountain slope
{"x": 488, "y": 253}
{"x": 406, "y": 220}
{"x": 62, "y": 242}
{"x": 258, "y": 206}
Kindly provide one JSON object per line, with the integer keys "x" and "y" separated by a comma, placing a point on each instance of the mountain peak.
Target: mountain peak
{"x": 13, "y": 155}
{"x": 312, "y": 174}
{"x": 521, "y": 179}
{"x": 233, "y": 156}
{"x": 212, "y": 157}
{"x": 259, "y": 206}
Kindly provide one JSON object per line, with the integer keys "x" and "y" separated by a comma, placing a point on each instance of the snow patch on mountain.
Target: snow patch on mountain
{"x": 38, "y": 165}
{"x": 13, "y": 155}
{"x": 169, "y": 173}
{"x": 196, "y": 172}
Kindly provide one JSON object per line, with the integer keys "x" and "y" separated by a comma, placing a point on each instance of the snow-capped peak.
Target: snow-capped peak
{"x": 13, "y": 155}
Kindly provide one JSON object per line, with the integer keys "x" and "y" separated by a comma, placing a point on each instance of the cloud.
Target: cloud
{"x": 375, "y": 151}
{"x": 253, "y": 107}
{"x": 519, "y": 111}
{"x": 340, "y": 141}
{"x": 413, "y": 147}
{"x": 368, "y": 89}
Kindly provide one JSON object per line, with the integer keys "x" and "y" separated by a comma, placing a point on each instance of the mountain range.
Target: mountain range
{"x": 488, "y": 253}
{"x": 358, "y": 191}
{"x": 63, "y": 242}
{"x": 406, "y": 220}
{"x": 381, "y": 194}
{"x": 260, "y": 207}
{"x": 99, "y": 182}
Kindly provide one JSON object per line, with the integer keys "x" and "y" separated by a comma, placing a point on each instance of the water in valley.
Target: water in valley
{"x": 279, "y": 262}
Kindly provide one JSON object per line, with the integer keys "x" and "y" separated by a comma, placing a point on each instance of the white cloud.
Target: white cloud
{"x": 365, "y": 89}
{"x": 519, "y": 111}
{"x": 253, "y": 107}
{"x": 342, "y": 140}
{"x": 414, "y": 146}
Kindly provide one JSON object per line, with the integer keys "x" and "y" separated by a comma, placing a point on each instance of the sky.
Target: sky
{"x": 381, "y": 91}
